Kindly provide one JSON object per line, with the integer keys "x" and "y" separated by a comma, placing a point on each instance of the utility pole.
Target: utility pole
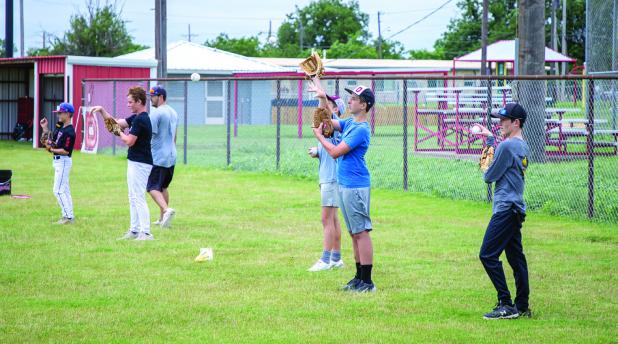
{"x": 161, "y": 37}
{"x": 531, "y": 54}
{"x": 564, "y": 43}
{"x": 43, "y": 39}
{"x": 484, "y": 70}
{"x": 21, "y": 27}
{"x": 379, "y": 37}
{"x": 8, "y": 29}
{"x": 554, "y": 32}
{"x": 189, "y": 34}
{"x": 302, "y": 33}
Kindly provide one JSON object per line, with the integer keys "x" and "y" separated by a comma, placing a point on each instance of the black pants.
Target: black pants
{"x": 504, "y": 234}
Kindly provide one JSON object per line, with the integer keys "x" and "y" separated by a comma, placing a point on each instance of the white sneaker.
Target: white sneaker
{"x": 64, "y": 221}
{"x": 158, "y": 222}
{"x": 336, "y": 265}
{"x": 319, "y": 266}
{"x": 168, "y": 215}
{"x": 142, "y": 236}
{"x": 129, "y": 235}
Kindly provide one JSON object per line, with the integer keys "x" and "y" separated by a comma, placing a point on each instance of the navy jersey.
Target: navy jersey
{"x": 64, "y": 137}
{"x": 140, "y": 126}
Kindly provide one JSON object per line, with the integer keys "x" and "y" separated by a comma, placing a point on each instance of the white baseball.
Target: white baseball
{"x": 475, "y": 129}
{"x": 313, "y": 151}
{"x": 195, "y": 77}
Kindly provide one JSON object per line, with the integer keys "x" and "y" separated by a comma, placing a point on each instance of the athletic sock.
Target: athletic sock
{"x": 366, "y": 273}
{"x": 326, "y": 256}
{"x": 335, "y": 256}
{"x": 358, "y": 270}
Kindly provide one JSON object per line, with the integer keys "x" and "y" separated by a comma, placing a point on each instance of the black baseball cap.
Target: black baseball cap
{"x": 365, "y": 94}
{"x": 512, "y": 111}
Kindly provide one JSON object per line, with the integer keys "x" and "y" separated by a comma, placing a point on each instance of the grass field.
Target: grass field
{"x": 78, "y": 284}
{"x": 559, "y": 188}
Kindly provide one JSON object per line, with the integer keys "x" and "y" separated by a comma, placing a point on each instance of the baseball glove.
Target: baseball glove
{"x": 44, "y": 138}
{"x": 487, "y": 156}
{"x": 321, "y": 115}
{"x": 312, "y": 66}
{"x": 112, "y": 126}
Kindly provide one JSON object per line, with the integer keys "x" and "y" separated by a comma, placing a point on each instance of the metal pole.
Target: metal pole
{"x": 484, "y": 39}
{"x": 337, "y": 88}
{"x": 227, "y": 125}
{"x": 405, "y": 135}
{"x": 8, "y": 29}
{"x": 590, "y": 148}
{"x": 278, "y": 144}
{"x": 373, "y": 109}
{"x": 235, "y": 108}
{"x": 489, "y": 126}
{"x": 299, "y": 108}
{"x": 379, "y": 37}
{"x": 186, "y": 87}
{"x": 114, "y": 112}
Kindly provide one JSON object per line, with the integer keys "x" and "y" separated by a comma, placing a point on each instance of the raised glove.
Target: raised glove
{"x": 312, "y": 66}
{"x": 321, "y": 115}
{"x": 112, "y": 126}
{"x": 44, "y": 138}
{"x": 487, "y": 156}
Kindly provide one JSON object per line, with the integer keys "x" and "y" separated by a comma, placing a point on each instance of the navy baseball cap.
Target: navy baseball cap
{"x": 65, "y": 107}
{"x": 512, "y": 111}
{"x": 365, "y": 94}
{"x": 157, "y": 91}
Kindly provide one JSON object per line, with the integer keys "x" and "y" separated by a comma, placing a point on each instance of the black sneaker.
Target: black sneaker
{"x": 502, "y": 311}
{"x": 526, "y": 313}
{"x": 354, "y": 282}
{"x": 365, "y": 288}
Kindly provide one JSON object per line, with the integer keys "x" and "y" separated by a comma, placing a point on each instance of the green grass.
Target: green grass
{"x": 560, "y": 188}
{"x": 78, "y": 284}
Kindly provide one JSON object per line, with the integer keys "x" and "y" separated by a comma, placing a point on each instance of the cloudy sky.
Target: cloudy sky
{"x": 237, "y": 18}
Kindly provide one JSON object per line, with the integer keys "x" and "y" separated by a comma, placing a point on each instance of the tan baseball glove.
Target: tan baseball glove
{"x": 44, "y": 138}
{"x": 321, "y": 115}
{"x": 487, "y": 157}
{"x": 112, "y": 126}
{"x": 312, "y": 66}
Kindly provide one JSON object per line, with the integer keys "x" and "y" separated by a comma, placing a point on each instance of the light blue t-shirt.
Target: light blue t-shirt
{"x": 352, "y": 170}
{"x": 164, "y": 121}
{"x": 328, "y": 165}
{"x": 508, "y": 172}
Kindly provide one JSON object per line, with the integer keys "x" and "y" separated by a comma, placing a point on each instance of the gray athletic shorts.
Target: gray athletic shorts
{"x": 328, "y": 192}
{"x": 354, "y": 205}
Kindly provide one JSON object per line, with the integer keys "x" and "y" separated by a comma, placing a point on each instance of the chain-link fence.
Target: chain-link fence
{"x": 421, "y": 139}
{"x": 602, "y": 36}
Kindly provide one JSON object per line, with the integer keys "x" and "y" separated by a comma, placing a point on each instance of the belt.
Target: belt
{"x": 58, "y": 157}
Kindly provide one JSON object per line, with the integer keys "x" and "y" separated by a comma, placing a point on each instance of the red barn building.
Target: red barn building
{"x": 31, "y": 87}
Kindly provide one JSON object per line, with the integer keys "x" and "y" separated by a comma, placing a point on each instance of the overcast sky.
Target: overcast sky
{"x": 237, "y": 18}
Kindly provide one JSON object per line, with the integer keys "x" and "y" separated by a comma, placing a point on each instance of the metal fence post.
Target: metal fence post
{"x": 114, "y": 112}
{"x": 405, "y": 135}
{"x": 186, "y": 86}
{"x": 590, "y": 147}
{"x": 489, "y": 125}
{"x": 278, "y": 123}
{"x": 228, "y": 125}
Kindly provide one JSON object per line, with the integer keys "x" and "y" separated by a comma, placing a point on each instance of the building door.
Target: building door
{"x": 215, "y": 102}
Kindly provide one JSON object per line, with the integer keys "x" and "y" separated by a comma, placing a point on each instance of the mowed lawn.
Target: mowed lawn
{"x": 78, "y": 284}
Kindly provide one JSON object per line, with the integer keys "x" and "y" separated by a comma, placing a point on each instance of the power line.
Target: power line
{"x": 420, "y": 20}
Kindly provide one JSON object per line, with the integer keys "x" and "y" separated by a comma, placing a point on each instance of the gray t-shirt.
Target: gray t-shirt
{"x": 164, "y": 120}
{"x": 328, "y": 165}
{"x": 508, "y": 172}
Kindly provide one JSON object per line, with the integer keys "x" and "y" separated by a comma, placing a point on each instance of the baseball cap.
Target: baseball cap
{"x": 512, "y": 111}
{"x": 65, "y": 107}
{"x": 364, "y": 93}
{"x": 157, "y": 91}
{"x": 339, "y": 102}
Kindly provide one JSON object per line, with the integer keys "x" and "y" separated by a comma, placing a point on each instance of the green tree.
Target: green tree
{"x": 101, "y": 32}
{"x": 424, "y": 54}
{"x": 321, "y": 24}
{"x": 246, "y": 46}
{"x": 2, "y": 51}
{"x": 463, "y": 34}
